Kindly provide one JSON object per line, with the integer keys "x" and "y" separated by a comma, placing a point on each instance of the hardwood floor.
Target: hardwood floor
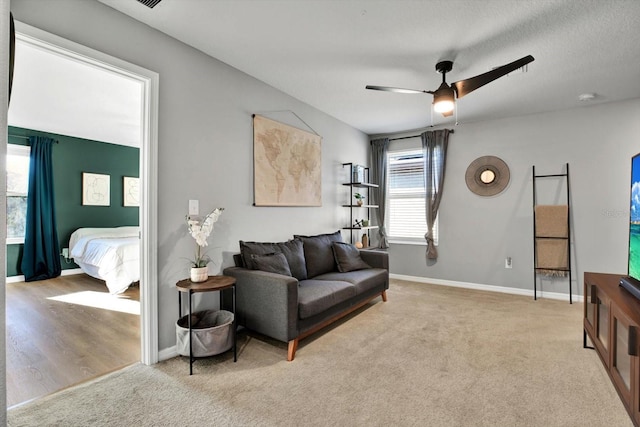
{"x": 56, "y": 337}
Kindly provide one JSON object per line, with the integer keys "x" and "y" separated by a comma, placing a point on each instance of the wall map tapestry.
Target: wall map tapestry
{"x": 287, "y": 165}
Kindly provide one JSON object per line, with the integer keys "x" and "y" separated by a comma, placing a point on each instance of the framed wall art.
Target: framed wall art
{"x": 96, "y": 189}
{"x": 287, "y": 165}
{"x": 131, "y": 191}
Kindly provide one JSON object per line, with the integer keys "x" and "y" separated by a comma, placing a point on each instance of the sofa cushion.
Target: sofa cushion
{"x": 364, "y": 280}
{"x": 347, "y": 257}
{"x": 292, "y": 251}
{"x": 318, "y": 253}
{"x": 273, "y": 263}
{"x": 316, "y": 296}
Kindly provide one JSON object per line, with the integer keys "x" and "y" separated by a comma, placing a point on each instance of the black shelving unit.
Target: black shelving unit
{"x": 536, "y": 237}
{"x": 365, "y": 185}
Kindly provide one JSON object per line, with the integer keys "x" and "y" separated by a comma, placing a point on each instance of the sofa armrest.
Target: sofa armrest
{"x": 266, "y": 302}
{"x": 376, "y": 259}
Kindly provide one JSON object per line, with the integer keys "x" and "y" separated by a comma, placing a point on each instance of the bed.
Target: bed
{"x": 109, "y": 254}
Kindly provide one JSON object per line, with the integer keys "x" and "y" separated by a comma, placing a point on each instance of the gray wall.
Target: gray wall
{"x": 4, "y": 77}
{"x": 477, "y": 233}
{"x": 205, "y": 153}
{"x": 205, "y": 140}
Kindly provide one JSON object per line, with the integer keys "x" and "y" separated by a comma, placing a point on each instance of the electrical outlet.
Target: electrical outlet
{"x": 65, "y": 253}
{"x": 508, "y": 263}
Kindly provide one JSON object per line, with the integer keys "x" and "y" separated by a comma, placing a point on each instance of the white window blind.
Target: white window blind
{"x": 405, "y": 215}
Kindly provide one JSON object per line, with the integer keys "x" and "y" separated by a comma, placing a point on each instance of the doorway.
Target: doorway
{"x": 148, "y": 83}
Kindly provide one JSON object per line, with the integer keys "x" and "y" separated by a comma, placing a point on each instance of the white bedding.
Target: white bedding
{"x": 109, "y": 254}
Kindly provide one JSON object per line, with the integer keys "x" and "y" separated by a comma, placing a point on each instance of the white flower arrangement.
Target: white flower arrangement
{"x": 200, "y": 231}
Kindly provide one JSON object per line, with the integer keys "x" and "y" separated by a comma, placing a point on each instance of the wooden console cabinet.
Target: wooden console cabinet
{"x": 612, "y": 322}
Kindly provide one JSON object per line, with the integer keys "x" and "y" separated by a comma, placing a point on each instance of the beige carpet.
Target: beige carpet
{"x": 430, "y": 356}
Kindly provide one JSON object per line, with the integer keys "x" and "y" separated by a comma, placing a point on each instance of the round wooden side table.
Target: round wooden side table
{"x": 213, "y": 283}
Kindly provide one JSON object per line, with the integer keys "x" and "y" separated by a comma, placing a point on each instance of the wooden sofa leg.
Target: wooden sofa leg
{"x": 293, "y": 346}
{"x": 384, "y": 296}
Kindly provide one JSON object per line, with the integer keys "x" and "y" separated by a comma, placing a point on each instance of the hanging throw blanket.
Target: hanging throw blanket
{"x": 552, "y": 243}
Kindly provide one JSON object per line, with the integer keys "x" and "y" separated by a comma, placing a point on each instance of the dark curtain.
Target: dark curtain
{"x": 434, "y": 146}
{"x": 379, "y": 149}
{"x": 41, "y": 258}
{"x": 12, "y": 51}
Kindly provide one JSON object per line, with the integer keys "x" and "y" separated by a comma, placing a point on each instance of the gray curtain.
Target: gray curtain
{"x": 434, "y": 147}
{"x": 378, "y": 176}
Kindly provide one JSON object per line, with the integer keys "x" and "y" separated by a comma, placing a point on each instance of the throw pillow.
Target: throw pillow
{"x": 292, "y": 251}
{"x": 272, "y": 263}
{"x": 348, "y": 257}
{"x": 318, "y": 253}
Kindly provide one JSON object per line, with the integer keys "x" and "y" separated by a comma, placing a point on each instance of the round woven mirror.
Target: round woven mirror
{"x": 487, "y": 176}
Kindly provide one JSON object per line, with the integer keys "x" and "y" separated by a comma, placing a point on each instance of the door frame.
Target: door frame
{"x": 148, "y": 167}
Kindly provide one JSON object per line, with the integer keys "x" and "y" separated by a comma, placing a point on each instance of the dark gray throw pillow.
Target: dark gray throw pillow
{"x": 292, "y": 251}
{"x": 273, "y": 263}
{"x": 348, "y": 257}
{"x": 318, "y": 253}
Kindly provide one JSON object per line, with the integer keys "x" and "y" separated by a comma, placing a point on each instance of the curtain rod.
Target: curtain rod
{"x": 25, "y": 137}
{"x": 414, "y": 136}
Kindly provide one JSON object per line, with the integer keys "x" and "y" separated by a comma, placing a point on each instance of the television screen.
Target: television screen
{"x": 634, "y": 220}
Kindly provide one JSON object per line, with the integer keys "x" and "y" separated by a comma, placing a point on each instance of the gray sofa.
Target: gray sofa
{"x": 289, "y": 290}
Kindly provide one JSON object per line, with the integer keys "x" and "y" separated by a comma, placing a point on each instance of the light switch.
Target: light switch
{"x": 194, "y": 207}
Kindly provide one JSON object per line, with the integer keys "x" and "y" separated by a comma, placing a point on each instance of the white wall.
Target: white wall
{"x": 477, "y": 233}
{"x": 205, "y": 140}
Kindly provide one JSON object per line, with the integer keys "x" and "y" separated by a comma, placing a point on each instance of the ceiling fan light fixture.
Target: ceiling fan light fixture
{"x": 443, "y": 99}
{"x": 443, "y": 106}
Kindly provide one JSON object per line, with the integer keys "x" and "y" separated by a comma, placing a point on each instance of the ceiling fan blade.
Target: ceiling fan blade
{"x": 466, "y": 86}
{"x": 396, "y": 89}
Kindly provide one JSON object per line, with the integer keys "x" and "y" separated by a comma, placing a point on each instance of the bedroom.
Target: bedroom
{"x": 206, "y": 122}
{"x": 72, "y": 98}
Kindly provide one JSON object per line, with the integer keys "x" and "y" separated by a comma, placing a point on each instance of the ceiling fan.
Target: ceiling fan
{"x": 444, "y": 97}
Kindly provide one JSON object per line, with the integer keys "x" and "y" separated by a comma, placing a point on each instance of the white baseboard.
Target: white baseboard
{"x": 69, "y": 272}
{"x": 491, "y": 288}
{"x": 167, "y": 353}
{"x": 14, "y": 279}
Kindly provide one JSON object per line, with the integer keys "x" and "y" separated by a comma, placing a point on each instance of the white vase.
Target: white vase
{"x": 199, "y": 274}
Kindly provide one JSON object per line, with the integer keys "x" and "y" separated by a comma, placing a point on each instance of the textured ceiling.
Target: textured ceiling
{"x": 324, "y": 52}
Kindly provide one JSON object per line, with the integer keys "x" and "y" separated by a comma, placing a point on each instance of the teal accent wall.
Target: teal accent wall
{"x": 71, "y": 157}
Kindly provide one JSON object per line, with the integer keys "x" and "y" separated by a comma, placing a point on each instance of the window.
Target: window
{"x": 17, "y": 186}
{"x": 405, "y": 216}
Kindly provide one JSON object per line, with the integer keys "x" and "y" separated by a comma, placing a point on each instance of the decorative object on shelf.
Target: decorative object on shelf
{"x": 365, "y": 222}
{"x": 358, "y": 245}
{"x": 365, "y": 240}
{"x": 487, "y": 176}
{"x": 357, "y": 173}
{"x": 200, "y": 231}
{"x": 287, "y": 165}
{"x": 359, "y": 198}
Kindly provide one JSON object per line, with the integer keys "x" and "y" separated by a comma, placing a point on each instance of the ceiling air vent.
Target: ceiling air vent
{"x": 149, "y": 3}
